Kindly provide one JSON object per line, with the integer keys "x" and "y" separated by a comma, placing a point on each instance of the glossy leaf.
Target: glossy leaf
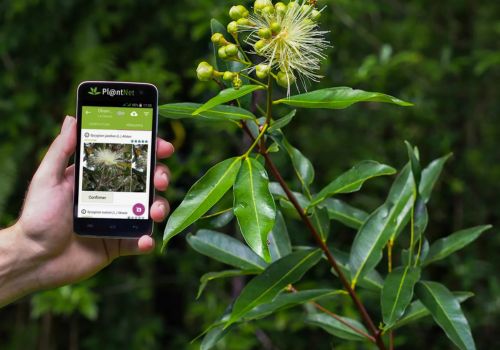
{"x": 417, "y": 310}
{"x": 302, "y": 166}
{"x": 337, "y": 328}
{"x": 202, "y": 196}
{"x": 338, "y": 98}
{"x": 217, "y": 113}
{"x": 430, "y": 176}
{"x": 210, "y": 276}
{"x": 353, "y": 179}
{"x": 282, "y": 122}
{"x": 454, "y": 242}
{"x": 263, "y": 288}
{"x": 227, "y": 95}
{"x": 446, "y": 311}
{"x": 225, "y": 249}
{"x": 372, "y": 280}
{"x": 279, "y": 240}
{"x": 342, "y": 212}
{"x": 254, "y": 206}
{"x": 321, "y": 221}
{"x": 287, "y": 300}
{"x": 214, "y": 336}
{"x": 380, "y": 226}
{"x": 397, "y": 292}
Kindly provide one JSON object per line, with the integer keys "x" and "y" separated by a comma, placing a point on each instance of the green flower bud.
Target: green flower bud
{"x": 205, "y": 71}
{"x": 237, "y": 12}
{"x": 217, "y": 38}
{"x": 232, "y": 27}
{"x": 268, "y": 11}
{"x": 258, "y": 5}
{"x": 243, "y": 22}
{"x": 228, "y": 76}
{"x": 237, "y": 83}
{"x": 306, "y": 8}
{"x": 283, "y": 80}
{"x": 309, "y": 21}
{"x": 292, "y": 4}
{"x": 262, "y": 71}
{"x": 231, "y": 50}
{"x": 315, "y": 15}
{"x": 259, "y": 45}
{"x": 222, "y": 52}
{"x": 265, "y": 33}
{"x": 280, "y": 8}
{"x": 275, "y": 27}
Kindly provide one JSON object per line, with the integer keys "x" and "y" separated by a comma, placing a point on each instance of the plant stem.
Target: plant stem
{"x": 389, "y": 268}
{"x": 262, "y": 132}
{"x": 359, "y": 305}
{"x": 254, "y": 80}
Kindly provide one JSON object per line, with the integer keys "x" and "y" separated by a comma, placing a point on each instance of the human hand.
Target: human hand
{"x": 45, "y": 228}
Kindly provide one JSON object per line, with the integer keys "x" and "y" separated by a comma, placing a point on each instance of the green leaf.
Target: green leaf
{"x": 254, "y": 206}
{"x": 446, "y": 311}
{"x": 454, "y": 242}
{"x": 202, "y": 196}
{"x": 321, "y": 221}
{"x": 430, "y": 175}
{"x": 279, "y": 240}
{"x": 414, "y": 162}
{"x": 342, "y": 212}
{"x": 417, "y": 310}
{"x": 217, "y": 113}
{"x": 288, "y": 300}
{"x": 398, "y": 292}
{"x": 353, "y": 179}
{"x": 384, "y": 223}
{"x": 227, "y": 95}
{"x": 210, "y": 276}
{"x": 282, "y": 122}
{"x": 302, "y": 166}
{"x": 225, "y": 249}
{"x": 372, "y": 280}
{"x": 214, "y": 336}
{"x": 263, "y": 288}
{"x": 337, "y": 328}
{"x": 338, "y": 98}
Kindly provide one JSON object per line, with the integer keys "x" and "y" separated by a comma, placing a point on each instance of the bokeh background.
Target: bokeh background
{"x": 442, "y": 55}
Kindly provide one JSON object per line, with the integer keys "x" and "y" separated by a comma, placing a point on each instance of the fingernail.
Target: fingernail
{"x": 68, "y": 121}
{"x": 164, "y": 177}
{"x": 162, "y": 208}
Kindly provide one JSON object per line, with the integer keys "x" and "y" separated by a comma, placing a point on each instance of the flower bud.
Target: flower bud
{"x": 232, "y": 27}
{"x": 217, "y": 38}
{"x": 237, "y": 12}
{"x": 228, "y": 76}
{"x": 275, "y": 27}
{"x": 268, "y": 10}
{"x": 222, "y": 52}
{"x": 306, "y": 8}
{"x": 280, "y": 8}
{"x": 284, "y": 80}
{"x": 315, "y": 15}
{"x": 292, "y": 4}
{"x": 205, "y": 71}
{"x": 258, "y": 5}
{"x": 259, "y": 45}
{"x": 237, "y": 83}
{"x": 231, "y": 50}
{"x": 262, "y": 71}
{"x": 265, "y": 33}
{"x": 243, "y": 22}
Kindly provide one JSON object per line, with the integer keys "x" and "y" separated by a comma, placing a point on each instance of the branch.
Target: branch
{"x": 362, "y": 310}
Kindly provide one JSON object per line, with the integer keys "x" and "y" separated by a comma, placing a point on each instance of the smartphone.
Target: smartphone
{"x": 115, "y": 159}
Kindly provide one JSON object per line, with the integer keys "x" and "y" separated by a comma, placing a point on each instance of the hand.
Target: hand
{"x": 45, "y": 228}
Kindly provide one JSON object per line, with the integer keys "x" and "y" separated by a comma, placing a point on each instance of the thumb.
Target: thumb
{"x": 56, "y": 159}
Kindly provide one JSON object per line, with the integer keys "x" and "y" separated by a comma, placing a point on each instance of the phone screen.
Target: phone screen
{"x": 115, "y": 157}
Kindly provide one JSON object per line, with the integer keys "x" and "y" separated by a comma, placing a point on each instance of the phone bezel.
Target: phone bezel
{"x": 114, "y": 228}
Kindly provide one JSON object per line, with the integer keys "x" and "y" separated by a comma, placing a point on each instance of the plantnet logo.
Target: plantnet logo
{"x": 93, "y": 91}
{"x": 111, "y": 92}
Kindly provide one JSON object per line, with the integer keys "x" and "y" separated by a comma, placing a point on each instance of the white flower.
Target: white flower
{"x": 296, "y": 45}
{"x": 107, "y": 157}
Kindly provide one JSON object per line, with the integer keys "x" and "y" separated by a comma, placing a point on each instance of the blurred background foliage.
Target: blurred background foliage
{"x": 442, "y": 55}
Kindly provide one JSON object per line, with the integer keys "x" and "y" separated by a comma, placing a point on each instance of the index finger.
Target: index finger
{"x": 164, "y": 149}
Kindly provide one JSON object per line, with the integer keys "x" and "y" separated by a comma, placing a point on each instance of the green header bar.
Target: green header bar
{"x": 117, "y": 118}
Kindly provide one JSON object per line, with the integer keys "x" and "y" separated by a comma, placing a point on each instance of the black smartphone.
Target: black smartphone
{"x": 115, "y": 158}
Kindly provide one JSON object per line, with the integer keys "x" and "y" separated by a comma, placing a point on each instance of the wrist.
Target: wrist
{"x": 18, "y": 265}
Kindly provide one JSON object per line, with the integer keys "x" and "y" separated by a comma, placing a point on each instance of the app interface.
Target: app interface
{"x": 115, "y": 162}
